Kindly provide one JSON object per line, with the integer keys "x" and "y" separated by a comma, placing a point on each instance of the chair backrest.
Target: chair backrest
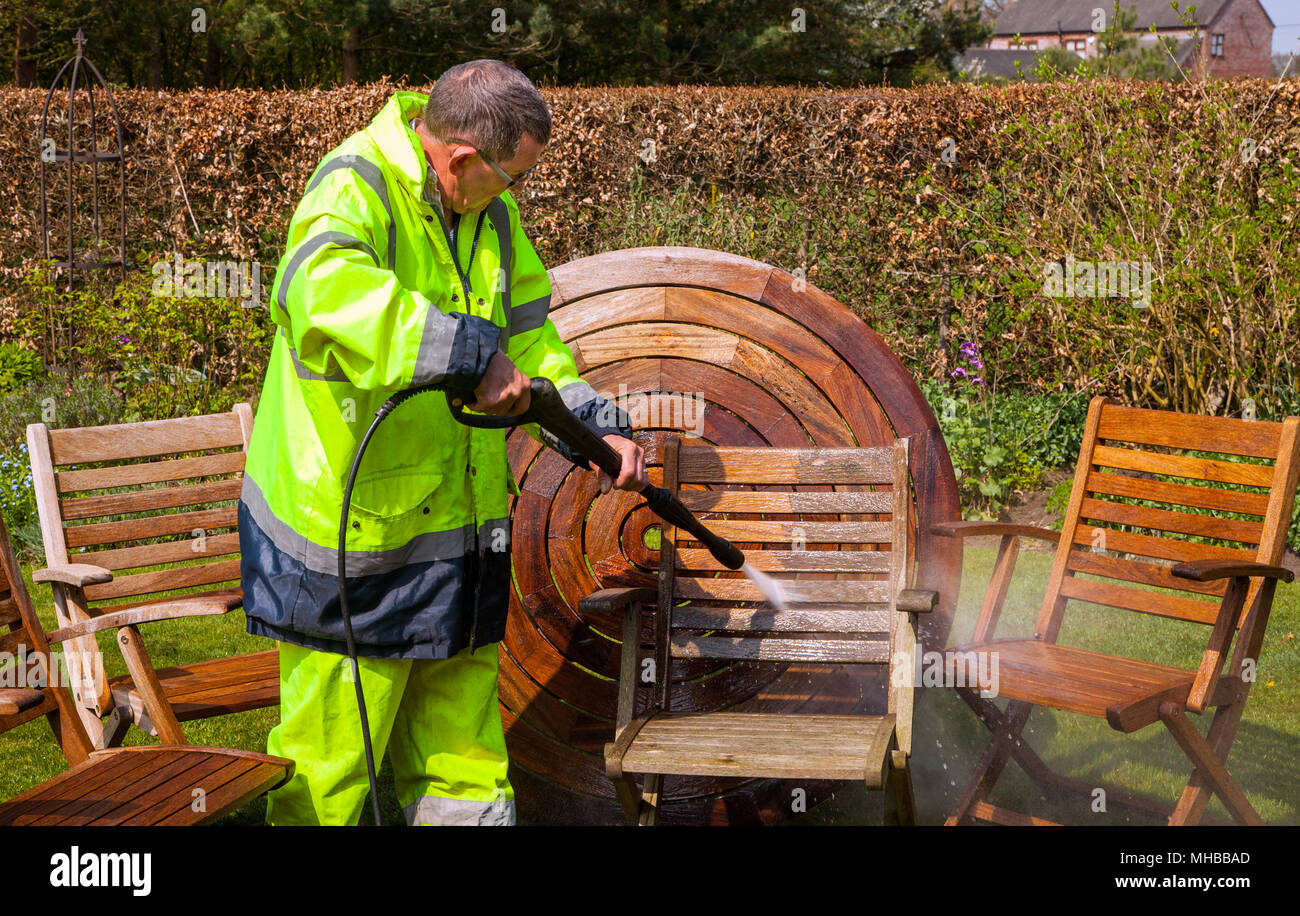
{"x": 23, "y": 641}
{"x": 1144, "y": 488}
{"x": 103, "y": 501}
{"x": 836, "y": 518}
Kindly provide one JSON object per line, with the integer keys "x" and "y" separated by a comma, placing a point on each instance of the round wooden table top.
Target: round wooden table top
{"x": 690, "y": 342}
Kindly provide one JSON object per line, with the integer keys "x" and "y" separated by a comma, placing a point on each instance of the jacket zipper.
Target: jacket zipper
{"x": 473, "y": 571}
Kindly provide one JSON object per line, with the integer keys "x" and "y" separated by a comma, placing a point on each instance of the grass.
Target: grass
{"x": 948, "y": 737}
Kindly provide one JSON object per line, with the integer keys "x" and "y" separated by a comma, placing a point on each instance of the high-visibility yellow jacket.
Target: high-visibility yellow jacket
{"x": 369, "y": 302}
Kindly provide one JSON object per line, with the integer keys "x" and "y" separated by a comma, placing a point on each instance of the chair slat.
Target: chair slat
{"x": 227, "y": 592}
{"x": 792, "y": 531}
{"x": 158, "y": 498}
{"x": 1256, "y": 438}
{"x": 848, "y": 501}
{"x": 130, "y": 475}
{"x": 178, "y": 551}
{"x": 861, "y": 561}
{"x": 866, "y": 619}
{"x": 144, "y": 440}
{"x": 166, "y": 580}
{"x": 1134, "y": 599}
{"x": 778, "y": 649}
{"x": 157, "y": 526}
{"x": 1143, "y": 573}
{"x": 1254, "y": 475}
{"x": 1146, "y": 545}
{"x": 1178, "y": 494}
{"x": 785, "y": 466}
{"x": 775, "y": 746}
{"x": 839, "y": 592}
{"x": 1226, "y": 529}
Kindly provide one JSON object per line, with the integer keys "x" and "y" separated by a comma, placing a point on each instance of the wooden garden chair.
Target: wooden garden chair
{"x": 149, "y": 785}
{"x": 129, "y": 522}
{"x": 1107, "y": 547}
{"x": 862, "y": 615}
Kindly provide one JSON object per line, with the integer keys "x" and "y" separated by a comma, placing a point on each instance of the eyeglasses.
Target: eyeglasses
{"x": 510, "y": 182}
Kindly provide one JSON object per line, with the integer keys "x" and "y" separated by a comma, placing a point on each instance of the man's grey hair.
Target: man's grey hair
{"x": 489, "y": 103}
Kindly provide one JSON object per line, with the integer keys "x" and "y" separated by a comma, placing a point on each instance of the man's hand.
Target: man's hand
{"x": 632, "y": 476}
{"x": 503, "y": 390}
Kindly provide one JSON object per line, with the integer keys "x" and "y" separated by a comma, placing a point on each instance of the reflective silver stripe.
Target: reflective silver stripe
{"x": 575, "y": 394}
{"x": 433, "y": 545}
{"x": 308, "y": 247}
{"x": 436, "y": 342}
{"x": 530, "y": 316}
{"x": 434, "y": 810}
{"x": 499, "y": 214}
{"x": 303, "y": 372}
{"x": 371, "y": 175}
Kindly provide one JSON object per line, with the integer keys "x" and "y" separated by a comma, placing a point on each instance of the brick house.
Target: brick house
{"x": 1236, "y": 36}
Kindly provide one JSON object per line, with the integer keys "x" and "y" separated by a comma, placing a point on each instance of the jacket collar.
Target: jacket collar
{"x": 392, "y": 133}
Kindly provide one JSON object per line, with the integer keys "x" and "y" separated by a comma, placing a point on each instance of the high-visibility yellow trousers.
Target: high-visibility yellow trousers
{"x": 438, "y": 720}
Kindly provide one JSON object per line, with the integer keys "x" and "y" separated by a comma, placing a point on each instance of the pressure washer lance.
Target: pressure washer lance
{"x": 547, "y": 409}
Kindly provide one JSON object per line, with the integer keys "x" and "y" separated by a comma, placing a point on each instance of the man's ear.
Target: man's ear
{"x": 458, "y": 161}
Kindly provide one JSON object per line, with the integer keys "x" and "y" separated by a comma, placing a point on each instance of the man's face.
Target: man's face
{"x": 470, "y": 184}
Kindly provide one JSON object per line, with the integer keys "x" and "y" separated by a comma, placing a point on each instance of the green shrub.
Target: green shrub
{"x": 1001, "y": 442}
{"x": 168, "y": 355}
{"x": 18, "y": 365}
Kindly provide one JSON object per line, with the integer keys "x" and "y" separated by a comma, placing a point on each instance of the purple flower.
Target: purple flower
{"x": 976, "y": 363}
{"x": 978, "y": 381}
{"x": 968, "y": 349}
{"x": 959, "y": 372}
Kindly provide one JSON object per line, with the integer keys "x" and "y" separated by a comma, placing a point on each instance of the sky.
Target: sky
{"x": 1286, "y": 20}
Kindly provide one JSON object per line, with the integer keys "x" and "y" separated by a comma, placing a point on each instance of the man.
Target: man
{"x": 405, "y": 266}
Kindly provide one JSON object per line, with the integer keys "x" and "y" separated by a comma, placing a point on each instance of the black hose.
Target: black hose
{"x": 384, "y": 410}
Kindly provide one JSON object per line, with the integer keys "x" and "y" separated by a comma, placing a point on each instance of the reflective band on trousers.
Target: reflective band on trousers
{"x": 434, "y": 810}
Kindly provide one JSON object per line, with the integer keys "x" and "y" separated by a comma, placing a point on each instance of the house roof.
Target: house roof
{"x": 986, "y": 63}
{"x": 1038, "y": 17}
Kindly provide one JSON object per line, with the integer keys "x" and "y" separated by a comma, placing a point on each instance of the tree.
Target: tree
{"x": 166, "y": 43}
{"x": 1124, "y": 56}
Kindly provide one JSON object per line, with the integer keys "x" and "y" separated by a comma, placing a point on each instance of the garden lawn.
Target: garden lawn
{"x": 1265, "y": 759}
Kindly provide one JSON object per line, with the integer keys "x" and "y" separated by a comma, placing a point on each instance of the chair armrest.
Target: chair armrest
{"x": 976, "y": 529}
{"x": 168, "y": 610}
{"x": 14, "y": 700}
{"x": 917, "y": 600}
{"x": 76, "y": 574}
{"x": 1208, "y": 570}
{"x": 612, "y": 599}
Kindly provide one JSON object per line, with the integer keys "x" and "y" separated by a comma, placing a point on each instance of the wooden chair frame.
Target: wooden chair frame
{"x": 883, "y": 743}
{"x": 156, "y": 701}
{"x": 1130, "y": 694}
{"x": 139, "y": 785}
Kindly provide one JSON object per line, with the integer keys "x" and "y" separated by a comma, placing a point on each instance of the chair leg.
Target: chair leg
{"x": 900, "y": 800}
{"x": 650, "y": 800}
{"x": 1196, "y": 795}
{"x": 1025, "y": 755}
{"x": 1209, "y": 767}
{"x": 114, "y": 728}
{"x": 992, "y": 762}
{"x": 629, "y": 798}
